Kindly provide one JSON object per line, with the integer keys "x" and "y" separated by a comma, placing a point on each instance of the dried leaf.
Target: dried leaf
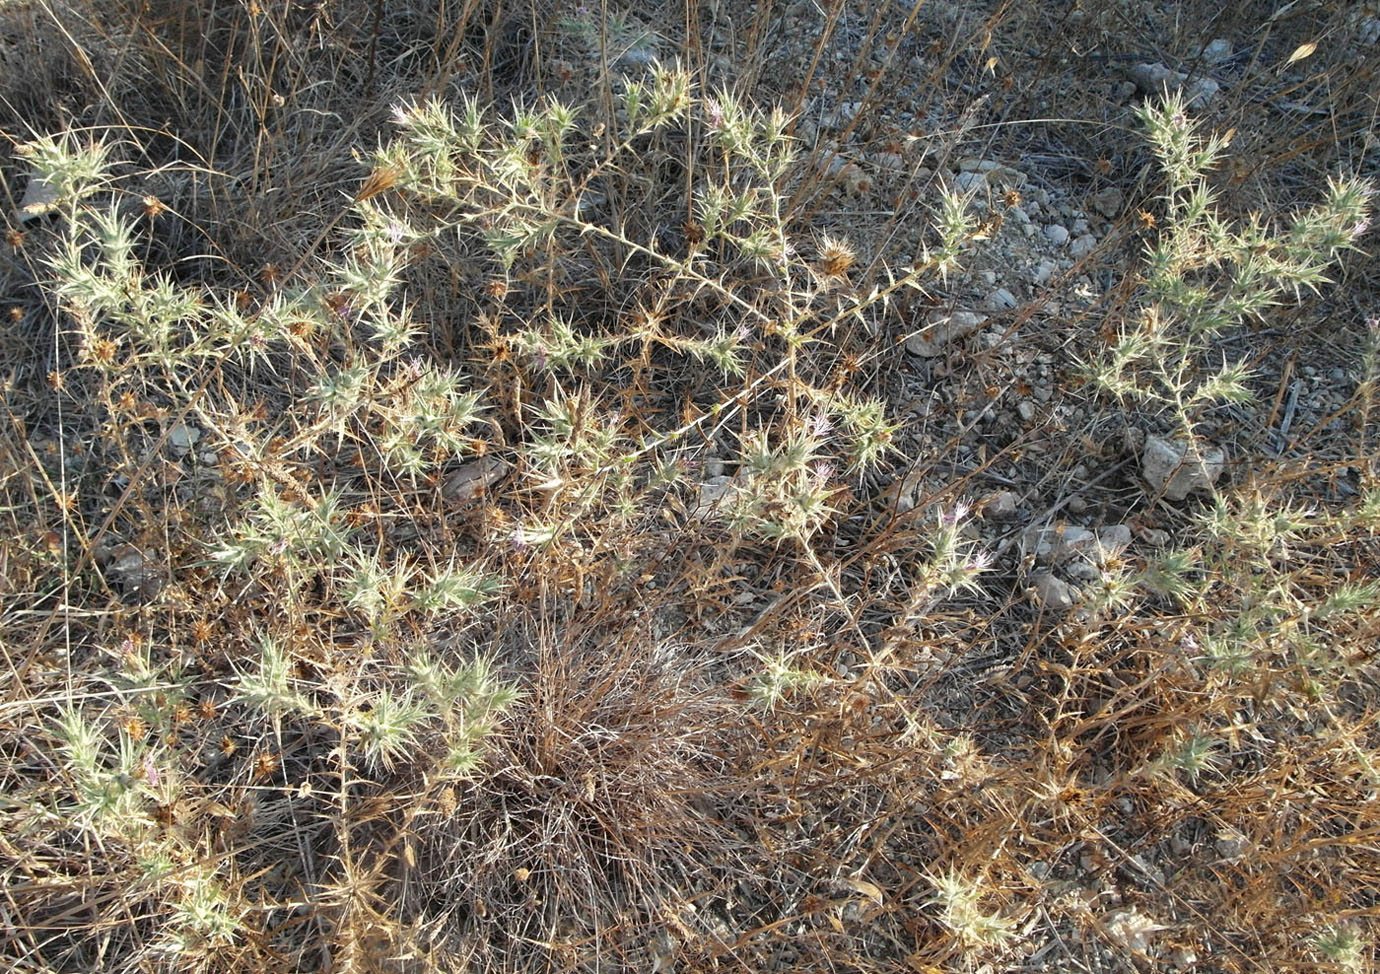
{"x": 1301, "y": 52}
{"x": 871, "y": 890}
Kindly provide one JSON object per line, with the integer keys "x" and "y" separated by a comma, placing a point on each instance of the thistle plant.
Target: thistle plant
{"x": 530, "y": 195}
{"x": 959, "y": 899}
{"x": 1204, "y": 276}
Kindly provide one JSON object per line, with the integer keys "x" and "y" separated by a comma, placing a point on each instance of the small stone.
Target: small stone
{"x": 40, "y": 198}
{"x": 1185, "y": 958}
{"x": 1083, "y": 246}
{"x": 1053, "y": 593}
{"x": 1155, "y": 537}
{"x": 1200, "y": 92}
{"x": 1217, "y": 51}
{"x": 1037, "y": 541}
{"x": 1003, "y": 505}
{"x": 1072, "y": 540}
{"x": 889, "y": 161}
{"x": 717, "y": 496}
{"x": 1368, "y": 31}
{"x": 1108, "y": 202}
{"x": 1230, "y": 844}
{"x": 943, "y": 329}
{"x": 1057, "y": 234}
{"x": 970, "y": 182}
{"x": 1112, "y": 540}
{"x": 1026, "y": 409}
{"x": 181, "y": 439}
{"x": 1156, "y": 79}
{"x": 1130, "y": 929}
{"x": 1169, "y": 469}
{"x": 1001, "y": 300}
{"x": 1043, "y": 272}
{"x": 467, "y": 483}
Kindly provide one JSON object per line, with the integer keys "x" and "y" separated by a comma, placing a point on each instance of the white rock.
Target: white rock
{"x": 1217, "y": 51}
{"x": 181, "y": 439}
{"x": 1155, "y": 537}
{"x": 1071, "y": 541}
{"x": 943, "y": 329}
{"x": 970, "y": 182}
{"x": 1200, "y": 92}
{"x": 1175, "y": 471}
{"x": 1053, "y": 593}
{"x": 1156, "y": 79}
{"x": 1026, "y": 409}
{"x": 1112, "y": 540}
{"x": 467, "y": 483}
{"x": 890, "y": 161}
{"x": 1043, "y": 272}
{"x": 1001, "y": 300}
{"x": 1108, "y": 202}
{"x": 1082, "y": 246}
{"x": 1130, "y": 929}
{"x": 717, "y": 496}
{"x": 1003, "y": 505}
{"x": 1057, "y": 234}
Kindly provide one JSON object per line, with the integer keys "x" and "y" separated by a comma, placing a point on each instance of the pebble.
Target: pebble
{"x": 1155, "y": 79}
{"x": 1230, "y": 844}
{"x": 1003, "y": 505}
{"x": 970, "y": 182}
{"x": 1168, "y": 470}
{"x": 1026, "y": 408}
{"x": 1043, "y": 272}
{"x": 1052, "y": 593}
{"x": 1112, "y": 540}
{"x": 1108, "y": 202}
{"x": 1072, "y": 540}
{"x": 1083, "y": 245}
{"x": 943, "y": 329}
{"x": 1057, "y": 234}
{"x": 181, "y": 438}
{"x": 1217, "y": 51}
{"x": 1001, "y": 300}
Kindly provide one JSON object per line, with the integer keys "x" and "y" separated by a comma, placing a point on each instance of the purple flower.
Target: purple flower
{"x": 959, "y": 512}
{"x": 980, "y": 562}
{"x": 714, "y": 112}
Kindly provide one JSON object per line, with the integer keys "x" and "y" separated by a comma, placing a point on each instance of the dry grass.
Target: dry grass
{"x": 516, "y": 546}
